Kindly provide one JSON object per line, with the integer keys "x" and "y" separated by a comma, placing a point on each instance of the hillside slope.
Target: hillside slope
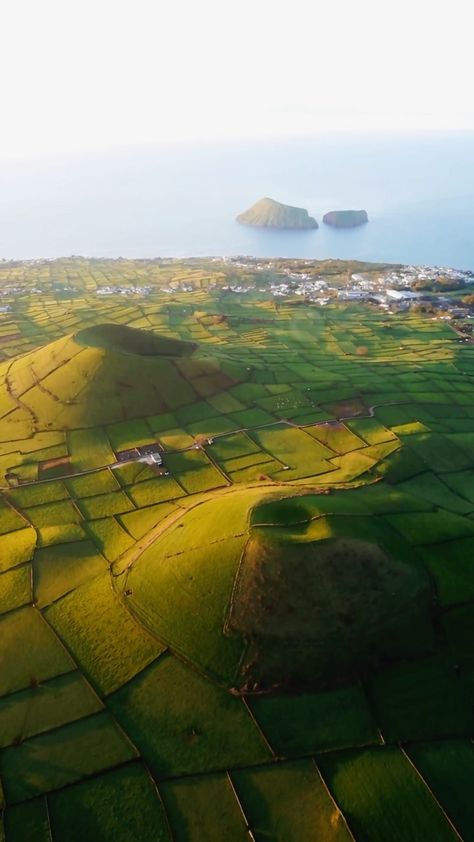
{"x": 105, "y": 374}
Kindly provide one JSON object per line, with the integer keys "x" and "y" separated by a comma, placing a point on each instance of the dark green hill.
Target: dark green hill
{"x": 130, "y": 340}
{"x": 323, "y": 613}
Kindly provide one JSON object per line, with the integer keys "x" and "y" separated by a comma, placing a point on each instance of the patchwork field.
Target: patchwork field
{"x": 236, "y": 562}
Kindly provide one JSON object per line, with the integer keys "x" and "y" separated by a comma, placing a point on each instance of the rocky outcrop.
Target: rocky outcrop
{"x": 346, "y": 218}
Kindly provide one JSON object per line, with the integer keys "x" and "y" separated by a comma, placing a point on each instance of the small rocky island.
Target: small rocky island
{"x": 346, "y": 218}
{"x": 267, "y": 213}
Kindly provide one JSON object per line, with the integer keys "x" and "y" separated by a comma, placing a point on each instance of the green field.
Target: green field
{"x": 265, "y": 633}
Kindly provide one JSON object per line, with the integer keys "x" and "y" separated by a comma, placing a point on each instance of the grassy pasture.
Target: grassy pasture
{"x": 35, "y": 495}
{"x": 132, "y": 473}
{"x": 336, "y": 436}
{"x": 89, "y": 449}
{"x": 269, "y": 793}
{"x": 448, "y": 769}
{"x": 312, "y": 722}
{"x": 104, "y": 505}
{"x": 49, "y": 705}
{"x": 88, "y": 809}
{"x": 184, "y": 724}
{"x": 203, "y": 807}
{"x": 451, "y": 565}
{"x": 431, "y": 527}
{"x": 421, "y": 700}
{"x": 182, "y": 599}
{"x": 16, "y": 547}
{"x": 93, "y": 624}
{"x": 28, "y": 820}
{"x": 382, "y": 797}
{"x": 293, "y": 448}
{"x": 140, "y": 521}
{"x": 62, "y": 568}
{"x": 63, "y": 756}
{"x": 109, "y": 537}
{"x": 150, "y": 642}
{"x": 31, "y": 651}
{"x": 430, "y": 487}
{"x": 158, "y": 490}
{"x": 61, "y": 533}
{"x": 15, "y": 588}
{"x": 53, "y": 514}
{"x": 88, "y": 485}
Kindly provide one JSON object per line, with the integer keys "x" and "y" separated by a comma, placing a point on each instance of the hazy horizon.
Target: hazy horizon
{"x": 103, "y": 75}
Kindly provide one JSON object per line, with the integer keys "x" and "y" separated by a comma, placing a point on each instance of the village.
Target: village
{"x": 392, "y": 289}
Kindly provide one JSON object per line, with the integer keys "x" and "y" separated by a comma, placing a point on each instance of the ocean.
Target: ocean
{"x": 181, "y": 199}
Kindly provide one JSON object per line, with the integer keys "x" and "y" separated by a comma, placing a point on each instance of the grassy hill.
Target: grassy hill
{"x": 267, "y": 213}
{"x": 109, "y": 373}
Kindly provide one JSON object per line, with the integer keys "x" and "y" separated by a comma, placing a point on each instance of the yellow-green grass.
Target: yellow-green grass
{"x": 109, "y": 537}
{"x": 232, "y": 447}
{"x": 10, "y": 519}
{"x": 31, "y": 652}
{"x": 183, "y": 598}
{"x": 303, "y": 455}
{"x": 16, "y": 547}
{"x": 15, "y": 588}
{"x": 104, "y": 505}
{"x": 46, "y": 706}
{"x": 175, "y": 439}
{"x": 97, "y": 482}
{"x": 126, "y": 434}
{"x": 53, "y": 514}
{"x": 133, "y": 472}
{"x": 370, "y": 430}
{"x": 336, "y": 436}
{"x": 94, "y": 624}
{"x": 61, "y": 533}
{"x": 62, "y": 568}
{"x": 262, "y": 472}
{"x": 140, "y": 521}
{"x": 89, "y": 449}
{"x": 159, "y": 490}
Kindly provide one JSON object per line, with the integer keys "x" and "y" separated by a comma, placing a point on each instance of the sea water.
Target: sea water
{"x": 181, "y": 199}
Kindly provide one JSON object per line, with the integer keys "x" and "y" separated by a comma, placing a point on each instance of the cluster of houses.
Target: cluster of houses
{"x": 390, "y": 291}
{"x": 116, "y": 289}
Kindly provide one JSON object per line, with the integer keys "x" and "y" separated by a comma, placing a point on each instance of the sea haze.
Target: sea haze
{"x": 182, "y": 199}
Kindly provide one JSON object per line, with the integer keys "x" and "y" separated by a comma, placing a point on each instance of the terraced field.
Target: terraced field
{"x": 268, "y": 636}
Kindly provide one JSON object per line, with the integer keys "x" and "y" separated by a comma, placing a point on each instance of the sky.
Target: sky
{"x": 79, "y": 75}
